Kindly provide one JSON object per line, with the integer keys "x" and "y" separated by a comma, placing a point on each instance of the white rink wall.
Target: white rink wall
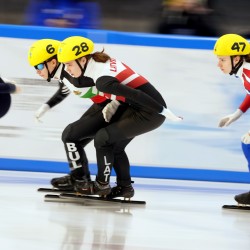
{"x": 188, "y": 79}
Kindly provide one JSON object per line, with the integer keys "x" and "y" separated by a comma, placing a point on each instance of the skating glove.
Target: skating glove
{"x": 170, "y": 115}
{"x": 110, "y": 109}
{"x": 246, "y": 138}
{"x": 227, "y": 120}
{"x": 41, "y": 111}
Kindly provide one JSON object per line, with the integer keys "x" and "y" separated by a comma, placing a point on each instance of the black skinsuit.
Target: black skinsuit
{"x": 141, "y": 115}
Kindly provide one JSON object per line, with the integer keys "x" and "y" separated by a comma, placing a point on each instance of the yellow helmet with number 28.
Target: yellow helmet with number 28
{"x": 42, "y": 50}
{"x": 231, "y": 45}
{"x": 74, "y": 47}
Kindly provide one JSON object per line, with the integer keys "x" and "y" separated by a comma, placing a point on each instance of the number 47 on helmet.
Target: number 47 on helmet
{"x": 231, "y": 45}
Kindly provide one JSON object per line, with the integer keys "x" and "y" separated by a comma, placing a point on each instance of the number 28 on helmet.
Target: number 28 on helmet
{"x": 74, "y": 47}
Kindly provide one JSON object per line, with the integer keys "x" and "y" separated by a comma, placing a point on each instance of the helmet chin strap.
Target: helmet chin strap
{"x": 51, "y": 75}
{"x": 237, "y": 66}
{"x": 83, "y": 69}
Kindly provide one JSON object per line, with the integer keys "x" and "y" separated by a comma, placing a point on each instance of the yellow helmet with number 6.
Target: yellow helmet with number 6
{"x": 231, "y": 45}
{"x": 42, "y": 50}
{"x": 74, "y": 47}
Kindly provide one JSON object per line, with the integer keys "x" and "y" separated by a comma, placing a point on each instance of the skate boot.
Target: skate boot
{"x": 122, "y": 191}
{"x": 92, "y": 188}
{"x": 65, "y": 183}
{"x": 243, "y": 198}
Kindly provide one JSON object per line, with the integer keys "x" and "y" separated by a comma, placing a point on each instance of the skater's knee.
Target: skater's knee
{"x": 66, "y": 135}
{"x": 101, "y": 138}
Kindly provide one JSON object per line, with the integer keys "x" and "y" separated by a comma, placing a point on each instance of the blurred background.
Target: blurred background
{"x": 185, "y": 17}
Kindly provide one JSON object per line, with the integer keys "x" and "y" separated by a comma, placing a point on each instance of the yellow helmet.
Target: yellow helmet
{"x": 42, "y": 50}
{"x": 74, "y": 47}
{"x": 231, "y": 45}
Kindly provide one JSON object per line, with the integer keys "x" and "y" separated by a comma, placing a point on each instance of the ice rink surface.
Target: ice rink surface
{"x": 179, "y": 215}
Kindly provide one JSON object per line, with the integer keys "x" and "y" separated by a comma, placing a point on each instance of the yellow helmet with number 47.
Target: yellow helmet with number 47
{"x": 231, "y": 45}
{"x": 74, "y": 47}
{"x": 42, "y": 50}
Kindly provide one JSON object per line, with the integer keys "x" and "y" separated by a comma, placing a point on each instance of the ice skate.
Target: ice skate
{"x": 121, "y": 191}
{"x": 65, "y": 183}
{"x": 92, "y": 188}
{"x": 243, "y": 199}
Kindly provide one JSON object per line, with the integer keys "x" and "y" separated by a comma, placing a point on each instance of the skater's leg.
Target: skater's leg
{"x": 76, "y": 155}
{"x": 246, "y": 151}
{"x": 121, "y": 163}
{"x": 75, "y": 137}
{"x": 244, "y": 198}
{"x": 131, "y": 124}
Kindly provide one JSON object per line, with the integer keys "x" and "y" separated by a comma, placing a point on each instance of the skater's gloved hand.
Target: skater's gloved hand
{"x": 41, "y": 111}
{"x": 110, "y": 109}
{"x": 246, "y": 138}
{"x": 227, "y": 120}
{"x": 170, "y": 115}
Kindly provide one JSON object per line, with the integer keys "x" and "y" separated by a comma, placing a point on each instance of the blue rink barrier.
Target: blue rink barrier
{"x": 107, "y": 36}
{"x": 136, "y": 171}
{"x": 126, "y": 38}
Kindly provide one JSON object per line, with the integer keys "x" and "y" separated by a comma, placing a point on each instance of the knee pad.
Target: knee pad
{"x": 101, "y": 138}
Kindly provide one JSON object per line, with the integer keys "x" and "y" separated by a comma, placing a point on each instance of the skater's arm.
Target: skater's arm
{"x": 6, "y": 86}
{"x": 59, "y": 96}
{"x": 245, "y": 104}
{"x": 111, "y": 85}
{"x": 228, "y": 119}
